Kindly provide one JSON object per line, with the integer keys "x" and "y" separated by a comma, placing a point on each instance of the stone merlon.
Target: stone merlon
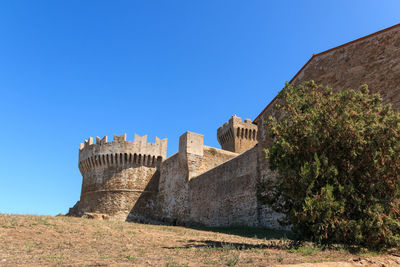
{"x": 120, "y": 145}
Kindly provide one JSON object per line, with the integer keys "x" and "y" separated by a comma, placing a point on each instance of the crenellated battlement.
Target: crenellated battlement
{"x": 121, "y": 152}
{"x": 237, "y": 135}
{"x": 122, "y": 139}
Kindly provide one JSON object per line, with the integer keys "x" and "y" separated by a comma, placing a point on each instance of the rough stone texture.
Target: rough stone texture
{"x": 213, "y": 157}
{"x": 225, "y": 195}
{"x": 173, "y": 187}
{"x": 214, "y": 187}
{"x": 237, "y": 136}
{"x": 91, "y": 152}
{"x": 192, "y": 159}
{"x": 374, "y": 60}
{"x": 120, "y": 178}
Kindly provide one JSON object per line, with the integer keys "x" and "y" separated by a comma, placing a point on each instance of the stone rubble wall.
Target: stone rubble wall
{"x": 192, "y": 159}
{"x": 198, "y": 185}
{"x": 225, "y": 195}
{"x": 374, "y": 60}
{"x": 214, "y": 187}
{"x": 202, "y": 185}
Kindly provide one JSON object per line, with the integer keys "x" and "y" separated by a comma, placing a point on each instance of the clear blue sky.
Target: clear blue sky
{"x": 74, "y": 69}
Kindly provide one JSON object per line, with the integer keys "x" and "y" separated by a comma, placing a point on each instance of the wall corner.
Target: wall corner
{"x": 191, "y": 151}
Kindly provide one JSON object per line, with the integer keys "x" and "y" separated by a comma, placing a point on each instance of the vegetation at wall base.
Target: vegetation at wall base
{"x": 337, "y": 157}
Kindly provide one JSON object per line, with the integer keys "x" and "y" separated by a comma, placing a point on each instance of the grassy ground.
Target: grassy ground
{"x": 55, "y": 241}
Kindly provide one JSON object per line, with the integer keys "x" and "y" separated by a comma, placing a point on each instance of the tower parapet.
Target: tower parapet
{"x": 237, "y": 136}
{"x": 121, "y": 152}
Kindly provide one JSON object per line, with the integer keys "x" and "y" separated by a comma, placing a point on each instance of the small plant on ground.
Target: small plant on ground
{"x": 210, "y": 262}
{"x": 250, "y": 260}
{"x": 131, "y": 258}
{"x": 280, "y": 258}
{"x": 213, "y": 151}
{"x": 232, "y": 260}
{"x": 175, "y": 264}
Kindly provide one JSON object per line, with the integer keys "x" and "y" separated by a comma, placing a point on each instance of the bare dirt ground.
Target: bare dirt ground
{"x": 28, "y": 240}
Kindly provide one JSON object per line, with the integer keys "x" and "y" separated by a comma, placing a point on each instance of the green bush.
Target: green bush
{"x": 337, "y": 159}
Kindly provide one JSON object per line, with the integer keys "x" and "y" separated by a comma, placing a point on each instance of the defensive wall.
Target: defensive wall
{"x": 133, "y": 180}
{"x": 226, "y": 195}
{"x": 207, "y": 186}
{"x": 372, "y": 60}
{"x": 192, "y": 159}
{"x": 130, "y": 180}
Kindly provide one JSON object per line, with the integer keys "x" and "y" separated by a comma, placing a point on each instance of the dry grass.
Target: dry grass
{"x": 56, "y": 241}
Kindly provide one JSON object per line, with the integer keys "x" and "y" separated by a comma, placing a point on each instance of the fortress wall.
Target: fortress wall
{"x": 213, "y": 157}
{"x": 215, "y": 187}
{"x": 120, "y": 178}
{"x": 172, "y": 190}
{"x": 374, "y": 60}
{"x": 209, "y": 186}
{"x": 116, "y": 190}
{"x": 192, "y": 159}
{"x": 225, "y": 195}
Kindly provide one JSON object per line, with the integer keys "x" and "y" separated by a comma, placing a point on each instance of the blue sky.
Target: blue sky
{"x": 74, "y": 69}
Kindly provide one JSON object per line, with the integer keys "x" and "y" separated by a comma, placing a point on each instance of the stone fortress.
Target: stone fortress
{"x": 134, "y": 180}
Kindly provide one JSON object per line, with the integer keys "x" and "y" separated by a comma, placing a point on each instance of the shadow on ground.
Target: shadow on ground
{"x": 218, "y": 245}
{"x": 259, "y": 233}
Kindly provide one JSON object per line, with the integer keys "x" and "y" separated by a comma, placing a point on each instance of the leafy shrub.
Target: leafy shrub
{"x": 337, "y": 158}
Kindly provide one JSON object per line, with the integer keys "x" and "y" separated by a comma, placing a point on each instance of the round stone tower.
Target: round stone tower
{"x": 120, "y": 178}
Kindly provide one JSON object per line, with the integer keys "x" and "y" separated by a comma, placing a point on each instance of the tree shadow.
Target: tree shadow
{"x": 224, "y": 246}
{"x": 252, "y": 232}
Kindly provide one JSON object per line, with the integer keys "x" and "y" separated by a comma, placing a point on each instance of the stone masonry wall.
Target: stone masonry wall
{"x": 198, "y": 185}
{"x": 213, "y": 157}
{"x": 225, "y": 195}
{"x": 120, "y": 178}
{"x": 192, "y": 160}
{"x": 116, "y": 190}
{"x": 373, "y": 60}
{"x": 172, "y": 191}
{"x": 213, "y": 187}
